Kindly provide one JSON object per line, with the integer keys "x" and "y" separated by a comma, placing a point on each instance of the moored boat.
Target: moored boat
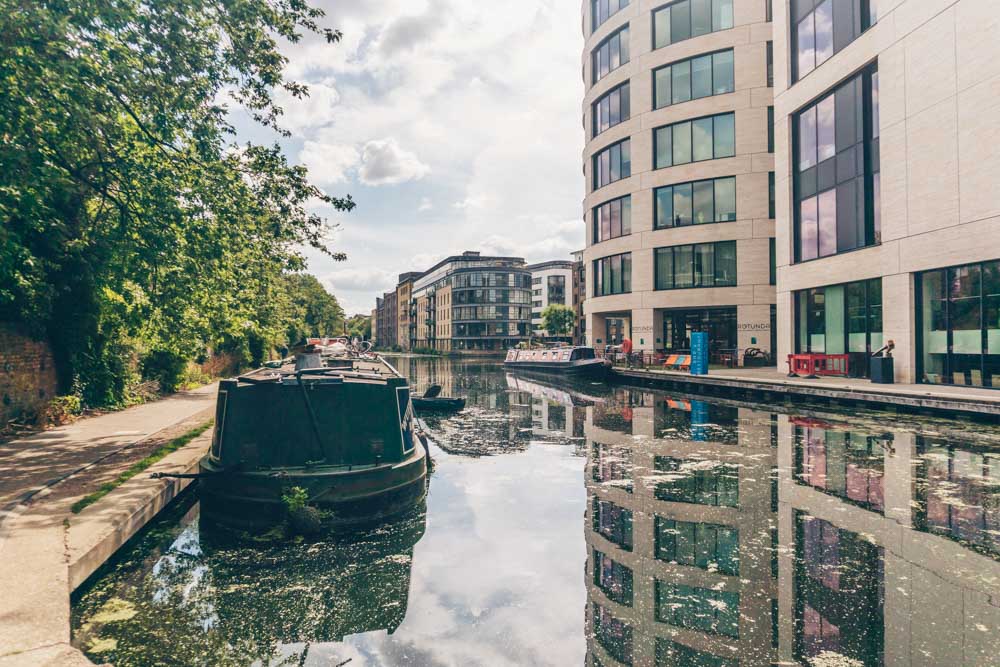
{"x": 575, "y": 361}
{"x": 437, "y": 404}
{"x": 337, "y": 424}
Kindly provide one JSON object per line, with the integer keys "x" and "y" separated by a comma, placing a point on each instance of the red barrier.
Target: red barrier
{"x": 814, "y": 365}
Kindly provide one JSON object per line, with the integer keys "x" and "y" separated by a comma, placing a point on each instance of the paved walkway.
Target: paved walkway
{"x": 30, "y": 464}
{"x": 941, "y": 397}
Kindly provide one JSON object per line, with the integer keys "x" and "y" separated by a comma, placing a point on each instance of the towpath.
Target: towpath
{"x": 30, "y": 464}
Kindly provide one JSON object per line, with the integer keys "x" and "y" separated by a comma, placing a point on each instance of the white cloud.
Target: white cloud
{"x": 316, "y": 110}
{"x": 328, "y": 163}
{"x": 425, "y": 204}
{"x": 383, "y": 162}
{"x": 357, "y": 278}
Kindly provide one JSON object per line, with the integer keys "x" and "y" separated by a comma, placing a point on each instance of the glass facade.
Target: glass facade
{"x": 704, "y": 76}
{"x": 695, "y": 140}
{"x": 841, "y": 319}
{"x": 490, "y": 308}
{"x": 602, "y": 10}
{"x": 704, "y": 609}
{"x": 556, "y": 289}
{"x": 613, "y": 219}
{"x": 707, "y": 546}
{"x": 611, "y": 109}
{"x": 697, "y": 265}
{"x": 699, "y": 482}
{"x": 610, "y": 54}
{"x": 697, "y": 203}
{"x": 690, "y": 18}
{"x": 958, "y": 325}
{"x": 614, "y": 523}
{"x": 613, "y": 578}
{"x": 719, "y": 323}
{"x": 612, "y": 164}
{"x": 836, "y": 170}
{"x": 613, "y": 275}
{"x": 845, "y": 464}
{"x": 821, "y": 28}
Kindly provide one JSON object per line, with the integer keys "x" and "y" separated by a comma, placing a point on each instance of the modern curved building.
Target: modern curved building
{"x": 679, "y": 168}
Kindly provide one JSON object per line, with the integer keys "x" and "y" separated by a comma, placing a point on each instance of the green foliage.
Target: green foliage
{"x": 558, "y": 319}
{"x": 295, "y": 498}
{"x": 137, "y": 233}
{"x": 310, "y": 309}
{"x": 360, "y": 327}
{"x": 62, "y": 409}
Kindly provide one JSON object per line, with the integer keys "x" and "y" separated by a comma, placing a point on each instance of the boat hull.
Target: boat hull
{"x": 349, "y": 495}
{"x": 438, "y": 404}
{"x": 595, "y": 369}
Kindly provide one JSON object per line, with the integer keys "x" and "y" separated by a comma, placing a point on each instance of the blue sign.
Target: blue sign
{"x": 699, "y": 353}
{"x": 699, "y": 417}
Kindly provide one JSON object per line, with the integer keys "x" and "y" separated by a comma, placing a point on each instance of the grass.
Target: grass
{"x": 139, "y": 466}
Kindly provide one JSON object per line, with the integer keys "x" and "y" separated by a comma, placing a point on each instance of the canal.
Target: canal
{"x": 580, "y": 524}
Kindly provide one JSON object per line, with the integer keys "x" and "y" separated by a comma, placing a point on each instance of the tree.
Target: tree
{"x": 314, "y": 312}
{"x": 135, "y": 227}
{"x": 558, "y": 319}
{"x": 360, "y": 327}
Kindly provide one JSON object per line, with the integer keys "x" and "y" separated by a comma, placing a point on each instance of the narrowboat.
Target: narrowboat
{"x": 575, "y": 361}
{"x": 338, "y": 423}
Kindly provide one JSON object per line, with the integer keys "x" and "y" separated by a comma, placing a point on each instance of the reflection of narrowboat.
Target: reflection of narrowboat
{"x": 338, "y": 425}
{"x": 570, "y": 361}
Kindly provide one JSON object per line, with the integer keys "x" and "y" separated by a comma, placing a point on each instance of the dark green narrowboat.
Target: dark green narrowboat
{"x": 341, "y": 428}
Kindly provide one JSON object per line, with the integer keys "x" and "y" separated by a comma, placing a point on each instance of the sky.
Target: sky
{"x": 454, "y": 124}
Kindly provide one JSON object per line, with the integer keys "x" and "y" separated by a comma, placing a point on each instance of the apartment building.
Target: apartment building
{"x": 551, "y": 283}
{"x": 678, "y": 165}
{"x": 887, "y": 117}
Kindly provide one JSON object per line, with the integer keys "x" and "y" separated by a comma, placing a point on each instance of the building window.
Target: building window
{"x": 613, "y": 219}
{"x": 612, "y": 108}
{"x": 613, "y": 635}
{"x": 704, "y": 76}
{"x": 695, "y": 140}
{"x": 770, "y": 196}
{"x": 613, "y": 578}
{"x": 772, "y": 255}
{"x": 613, "y": 275}
{"x": 768, "y": 10}
{"x": 836, "y": 158}
{"x": 697, "y": 203}
{"x": 703, "y": 609}
{"x": 841, "y": 319}
{"x": 698, "y": 482}
{"x": 698, "y": 265}
{"x": 770, "y": 64}
{"x": 821, "y": 28}
{"x": 602, "y": 10}
{"x": 610, "y": 54}
{"x": 690, "y": 18}
{"x": 614, "y": 523}
{"x": 958, "y": 324}
{"x": 704, "y": 545}
{"x": 557, "y": 289}
{"x": 612, "y": 164}
{"x": 770, "y": 129}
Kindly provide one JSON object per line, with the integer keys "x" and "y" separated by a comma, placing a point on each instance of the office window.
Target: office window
{"x": 771, "y": 212}
{"x": 768, "y": 10}
{"x": 835, "y": 170}
{"x": 770, "y": 129}
{"x": 695, "y": 140}
{"x": 612, "y": 164}
{"x": 770, "y": 64}
{"x": 699, "y": 265}
{"x": 613, "y": 578}
{"x": 772, "y": 256}
{"x": 703, "y": 76}
{"x": 690, "y": 18}
{"x": 613, "y": 219}
{"x": 700, "y": 202}
{"x": 610, "y": 54}
{"x": 612, "y": 108}
{"x": 821, "y": 28}
{"x": 613, "y": 522}
{"x": 704, "y": 545}
{"x": 703, "y": 609}
{"x": 602, "y": 10}
{"x": 613, "y": 275}
{"x": 698, "y": 482}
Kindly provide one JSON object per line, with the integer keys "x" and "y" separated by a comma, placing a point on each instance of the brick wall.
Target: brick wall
{"x": 27, "y": 373}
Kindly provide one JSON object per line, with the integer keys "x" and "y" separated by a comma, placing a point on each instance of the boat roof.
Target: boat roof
{"x": 364, "y": 367}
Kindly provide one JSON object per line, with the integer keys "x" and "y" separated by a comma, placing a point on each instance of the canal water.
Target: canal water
{"x": 586, "y": 525}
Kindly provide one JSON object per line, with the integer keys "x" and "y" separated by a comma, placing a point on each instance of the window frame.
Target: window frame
{"x": 715, "y": 220}
{"x": 694, "y": 249}
{"x": 625, "y": 95}
{"x": 594, "y": 70}
{"x": 596, "y": 224}
{"x": 670, "y": 5}
{"x": 691, "y": 122}
{"x": 595, "y": 185}
{"x": 690, "y": 61}
{"x": 624, "y": 260}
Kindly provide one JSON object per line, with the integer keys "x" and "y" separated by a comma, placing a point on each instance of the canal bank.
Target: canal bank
{"x": 764, "y": 385}
{"x": 50, "y": 543}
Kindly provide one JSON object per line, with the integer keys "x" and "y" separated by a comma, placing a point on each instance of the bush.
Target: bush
{"x": 165, "y": 367}
{"x": 62, "y": 409}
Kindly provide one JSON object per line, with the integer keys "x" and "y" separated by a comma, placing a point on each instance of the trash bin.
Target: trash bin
{"x": 881, "y": 370}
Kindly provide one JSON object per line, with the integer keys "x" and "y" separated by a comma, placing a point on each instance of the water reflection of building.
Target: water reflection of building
{"x": 553, "y": 411}
{"x": 679, "y": 533}
{"x": 895, "y": 554}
